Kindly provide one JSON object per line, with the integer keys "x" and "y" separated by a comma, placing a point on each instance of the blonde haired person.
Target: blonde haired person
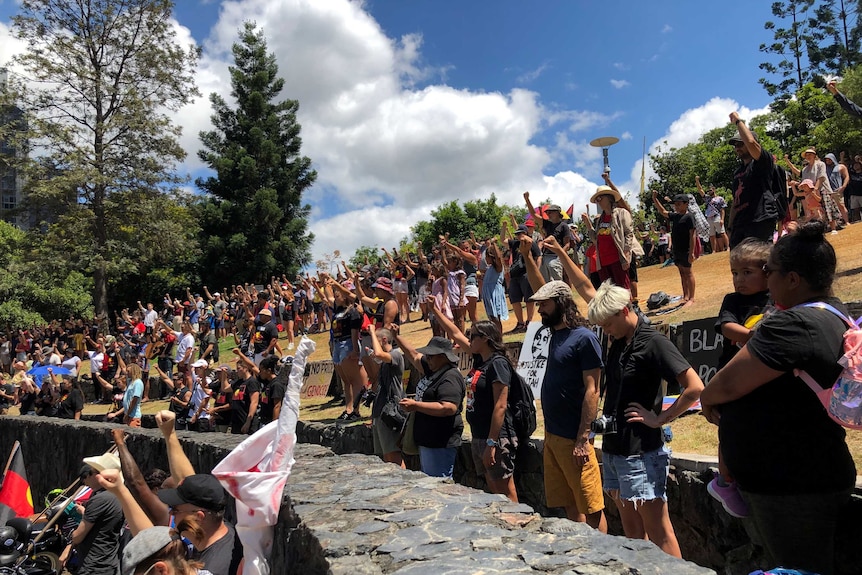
{"x": 635, "y": 458}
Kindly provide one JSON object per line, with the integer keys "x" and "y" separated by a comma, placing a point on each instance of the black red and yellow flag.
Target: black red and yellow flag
{"x": 15, "y": 497}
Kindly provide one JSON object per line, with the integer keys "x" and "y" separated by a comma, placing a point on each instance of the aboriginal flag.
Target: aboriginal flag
{"x": 15, "y": 497}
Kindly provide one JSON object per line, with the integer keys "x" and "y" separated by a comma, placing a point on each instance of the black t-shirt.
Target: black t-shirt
{"x": 263, "y": 335}
{"x": 752, "y": 192}
{"x": 560, "y": 232}
{"x": 778, "y": 439}
{"x": 271, "y": 393}
{"x": 737, "y": 308}
{"x": 446, "y": 385}
{"x": 70, "y": 403}
{"x": 241, "y": 402}
{"x": 8, "y": 389}
{"x": 517, "y": 256}
{"x": 680, "y": 226}
{"x": 480, "y": 396}
{"x": 222, "y": 398}
{"x": 634, "y": 372}
{"x": 854, "y": 186}
{"x": 28, "y": 402}
{"x": 223, "y": 556}
{"x": 100, "y": 549}
{"x": 181, "y": 393}
{"x": 345, "y": 320}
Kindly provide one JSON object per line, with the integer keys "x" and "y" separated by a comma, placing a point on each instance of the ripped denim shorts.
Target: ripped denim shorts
{"x": 641, "y": 477}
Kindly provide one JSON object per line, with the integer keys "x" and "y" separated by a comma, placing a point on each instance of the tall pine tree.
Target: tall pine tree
{"x": 254, "y": 224}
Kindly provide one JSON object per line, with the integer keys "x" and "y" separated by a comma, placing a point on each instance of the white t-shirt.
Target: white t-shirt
{"x": 150, "y": 318}
{"x": 184, "y": 342}
{"x": 95, "y": 361}
{"x": 72, "y": 365}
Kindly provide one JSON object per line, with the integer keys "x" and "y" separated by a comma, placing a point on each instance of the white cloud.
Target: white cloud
{"x": 626, "y": 136}
{"x": 688, "y": 128}
{"x": 619, "y": 83}
{"x": 666, "y": 29}
{"x": 532, "y": 75}
{"x": 620, "y": 66}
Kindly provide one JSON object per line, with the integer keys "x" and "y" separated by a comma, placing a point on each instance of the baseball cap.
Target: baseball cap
{"x": 200, "y": 363}
{"x": 551, "y": 290}
{"x": 734, "y": 139}
{"x": 553, "y": 208}
{"x": 201, "y": 489}
{"x": 681, "y": 198}
{"x": 216, "y": 294}
{"x": 146, "y": 544}
{"x": 522, "y": 229}
{"x": 265, "y": 311}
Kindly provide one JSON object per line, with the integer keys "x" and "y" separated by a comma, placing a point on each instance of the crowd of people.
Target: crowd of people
{"x": 768, "y": 419}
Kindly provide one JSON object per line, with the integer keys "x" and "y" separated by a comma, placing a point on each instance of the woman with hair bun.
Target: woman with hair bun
{"x": 789, "y": 459}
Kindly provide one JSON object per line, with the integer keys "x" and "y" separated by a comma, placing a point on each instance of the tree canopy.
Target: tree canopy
{"x": 101, "y": 79}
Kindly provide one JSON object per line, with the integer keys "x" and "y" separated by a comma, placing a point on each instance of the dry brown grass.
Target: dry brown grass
{"x": 692, "y": 434}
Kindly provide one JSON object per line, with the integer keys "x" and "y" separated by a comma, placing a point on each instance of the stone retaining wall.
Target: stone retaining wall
{"x": 354, "y": 514}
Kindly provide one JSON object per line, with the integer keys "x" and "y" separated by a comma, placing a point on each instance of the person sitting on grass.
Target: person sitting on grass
{"x": 740, "y": 311}
{"x": 683, "y": 238}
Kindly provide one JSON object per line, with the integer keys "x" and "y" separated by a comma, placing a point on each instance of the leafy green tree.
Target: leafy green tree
{"x": 32, "y": 293}
{"x": 481, "y": 217}
{"x": 364, "y": 254}
{"x": 789, "y": 45}
{"x": 103, "y": 77}
{"x": 253, "y": 222}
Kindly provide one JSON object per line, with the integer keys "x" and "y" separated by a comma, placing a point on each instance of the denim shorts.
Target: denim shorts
{"x": 341, "y": 349}
{"x": 641, "y": 477}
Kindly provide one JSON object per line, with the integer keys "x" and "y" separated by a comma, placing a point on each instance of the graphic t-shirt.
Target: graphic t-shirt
{"x": 263, "y": 335}
{"x": 345, "y": 320}
{"x": 241, "y": 402}
{"x": 480, "y": 396}
{"x": 608, "y": 253}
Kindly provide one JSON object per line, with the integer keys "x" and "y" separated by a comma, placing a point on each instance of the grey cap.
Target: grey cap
{"x": 522, "y": 229}
{"x": 144, "y": 545}
{"x": 551, "y": 290}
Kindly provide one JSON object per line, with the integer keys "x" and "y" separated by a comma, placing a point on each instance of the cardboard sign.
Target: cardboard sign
{"x": 534, "y": 355}
{"x": 318, "y": 374}
{"x": 701, "y": 346}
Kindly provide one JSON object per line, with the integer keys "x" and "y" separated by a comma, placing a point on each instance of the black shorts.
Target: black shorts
{"x": 317, "y": 306}
{"x": 662, "y": 249}
{"x": 519, "y": 289}
{"x": 681, "y": 259}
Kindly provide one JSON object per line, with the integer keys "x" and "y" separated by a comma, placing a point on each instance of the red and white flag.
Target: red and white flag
{"x": 256, "y": 471}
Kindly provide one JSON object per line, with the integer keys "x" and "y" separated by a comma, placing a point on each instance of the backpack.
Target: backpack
{"x": 657, "y": 300}
{"x": 778, "y": 187}
{"x": 842, "y": 401}
{"x": 522, "y": 406}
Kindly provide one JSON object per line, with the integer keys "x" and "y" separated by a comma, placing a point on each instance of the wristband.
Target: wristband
{"x": 738, "y": 121}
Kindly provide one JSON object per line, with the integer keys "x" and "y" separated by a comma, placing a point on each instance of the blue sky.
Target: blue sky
{"x": 407, "y": 104}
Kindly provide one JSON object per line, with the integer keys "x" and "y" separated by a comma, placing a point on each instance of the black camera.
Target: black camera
{"x": 606, "y": 424}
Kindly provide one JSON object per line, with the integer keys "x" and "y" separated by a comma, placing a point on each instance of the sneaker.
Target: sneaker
{"x": 729, "y": 498}
{"x": 834, "y": 232}
{"x": 344, "y": 416}
{"x": 353, "y": 416}
{"x": 290, "y": 346}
